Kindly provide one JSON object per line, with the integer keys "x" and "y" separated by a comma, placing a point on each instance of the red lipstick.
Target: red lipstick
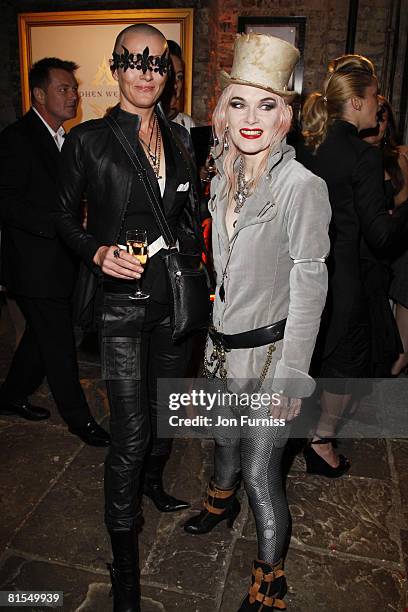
{"x": 251, "y": 133}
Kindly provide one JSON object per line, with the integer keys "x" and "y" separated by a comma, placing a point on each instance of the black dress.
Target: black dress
{"x": 353, "y": 172}
{"x": 398, "y": 290}
{"x": 399, "y": 284}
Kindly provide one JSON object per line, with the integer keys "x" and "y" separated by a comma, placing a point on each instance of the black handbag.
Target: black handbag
{"x": 188, "y": 277}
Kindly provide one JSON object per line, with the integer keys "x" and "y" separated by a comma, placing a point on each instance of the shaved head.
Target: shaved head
{"x": 143, "y": 29}
{"x": 140, "y": 63}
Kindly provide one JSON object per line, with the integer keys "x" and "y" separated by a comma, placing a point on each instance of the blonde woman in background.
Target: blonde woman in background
{"x": 353, "y": 173}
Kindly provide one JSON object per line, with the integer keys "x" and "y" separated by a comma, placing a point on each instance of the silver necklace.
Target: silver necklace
{"x": 242, "y": 191}
{"x": 154, "y": 156}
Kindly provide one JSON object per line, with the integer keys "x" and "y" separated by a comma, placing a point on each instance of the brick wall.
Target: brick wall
{"x": 215, "y": 27}
{"x": 326, "y": 32}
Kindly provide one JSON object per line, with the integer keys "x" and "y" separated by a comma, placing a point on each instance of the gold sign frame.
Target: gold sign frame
{"x": 41, "y": 26}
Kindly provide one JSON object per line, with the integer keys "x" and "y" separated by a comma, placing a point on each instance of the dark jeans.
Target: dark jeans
{"x": 47, "y": 349}
{"x": 133, "y": 408}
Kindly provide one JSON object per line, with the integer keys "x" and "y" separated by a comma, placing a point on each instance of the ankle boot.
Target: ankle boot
{"x": 267, "y": 589}
{"x": 124, "y": 571}
{"x": 153, "y": 486}
{"x": 219, "y": 505}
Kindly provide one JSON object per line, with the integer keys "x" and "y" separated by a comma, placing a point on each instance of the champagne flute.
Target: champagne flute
{"x": 136, "y": 245}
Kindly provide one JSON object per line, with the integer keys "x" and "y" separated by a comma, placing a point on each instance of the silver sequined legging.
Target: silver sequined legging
{"x": 258, "y": 454}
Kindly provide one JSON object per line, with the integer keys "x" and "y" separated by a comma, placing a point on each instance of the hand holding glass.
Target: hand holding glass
{"x": 136, "y": 244}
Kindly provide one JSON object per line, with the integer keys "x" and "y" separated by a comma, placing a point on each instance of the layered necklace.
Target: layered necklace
{"x": 154, "y": 154}
{"x": 242, "y": 191}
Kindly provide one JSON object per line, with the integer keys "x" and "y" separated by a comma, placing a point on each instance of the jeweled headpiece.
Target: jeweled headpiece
{"x": 141, "y": 61}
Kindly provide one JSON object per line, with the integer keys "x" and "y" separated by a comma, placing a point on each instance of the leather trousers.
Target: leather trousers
{"x": 134, "y": 365}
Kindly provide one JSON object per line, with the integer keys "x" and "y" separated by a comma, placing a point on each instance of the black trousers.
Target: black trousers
{"x": 47, "y": 349}
{"x": 134, "y": 406}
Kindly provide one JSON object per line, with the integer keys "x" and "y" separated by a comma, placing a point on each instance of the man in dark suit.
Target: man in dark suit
{"x": 37, "y": 268}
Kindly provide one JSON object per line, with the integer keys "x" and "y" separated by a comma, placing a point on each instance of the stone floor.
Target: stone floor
{"x": 349, "y": 547}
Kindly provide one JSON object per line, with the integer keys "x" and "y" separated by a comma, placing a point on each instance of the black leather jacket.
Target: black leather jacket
{"x": 93, "y": 161}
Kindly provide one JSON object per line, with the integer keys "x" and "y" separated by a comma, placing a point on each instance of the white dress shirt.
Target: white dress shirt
{"x": 184, "y": 120}
{"x": 58, "y": 136}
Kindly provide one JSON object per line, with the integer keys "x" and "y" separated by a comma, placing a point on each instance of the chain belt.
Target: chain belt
{"x": 224, "y": 343}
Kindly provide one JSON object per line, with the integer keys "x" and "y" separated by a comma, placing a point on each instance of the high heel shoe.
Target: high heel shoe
{"x": 315, "y": 464}
{"x": 153, "y": 486}
{"x": 219, "y": 505}
{"x": 267, "y": 589}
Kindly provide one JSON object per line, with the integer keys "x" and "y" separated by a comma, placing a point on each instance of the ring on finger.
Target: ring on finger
{"x": 116, "y": 253}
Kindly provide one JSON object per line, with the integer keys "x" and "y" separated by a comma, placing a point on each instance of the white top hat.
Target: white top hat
{"x": 263, "y": 61}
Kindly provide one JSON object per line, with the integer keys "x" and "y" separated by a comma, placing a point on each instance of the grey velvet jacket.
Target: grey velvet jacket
{"x": 276, "y": 270}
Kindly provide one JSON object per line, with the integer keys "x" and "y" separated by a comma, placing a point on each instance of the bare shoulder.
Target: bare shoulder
{"x": 403, "y": 152}
{"x": 403, "y": 164}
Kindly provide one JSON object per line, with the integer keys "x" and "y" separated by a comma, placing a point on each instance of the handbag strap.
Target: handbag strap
{"x": 145, "y": 179}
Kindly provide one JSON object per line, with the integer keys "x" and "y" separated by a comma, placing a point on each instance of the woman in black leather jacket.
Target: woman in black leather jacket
{"x": 137, "y": 347}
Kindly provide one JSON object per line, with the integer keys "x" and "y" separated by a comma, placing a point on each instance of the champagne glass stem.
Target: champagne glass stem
{"x": 138, "y": 288}
{"x": 136, "y": 241}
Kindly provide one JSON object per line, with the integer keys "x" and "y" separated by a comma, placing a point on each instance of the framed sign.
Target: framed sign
{"x": 291, "y": 29}
{"x": 87, "y": 38}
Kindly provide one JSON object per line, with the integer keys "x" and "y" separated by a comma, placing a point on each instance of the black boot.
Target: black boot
{"x": 153, "y": 486}
{"x": 124, "y": 571}
{"x": 219, "y": 505}
{"x": 267, "y": 589}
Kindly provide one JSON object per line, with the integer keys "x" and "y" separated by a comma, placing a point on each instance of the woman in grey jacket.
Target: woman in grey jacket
{"x": 270, "y": 239}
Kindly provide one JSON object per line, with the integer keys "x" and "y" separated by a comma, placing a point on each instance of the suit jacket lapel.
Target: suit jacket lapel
{"x": 172, "y": 169}
{"x": 177, "y": 171}
{"x": 218, "y": 207}
{"x": 43, "y": 143}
